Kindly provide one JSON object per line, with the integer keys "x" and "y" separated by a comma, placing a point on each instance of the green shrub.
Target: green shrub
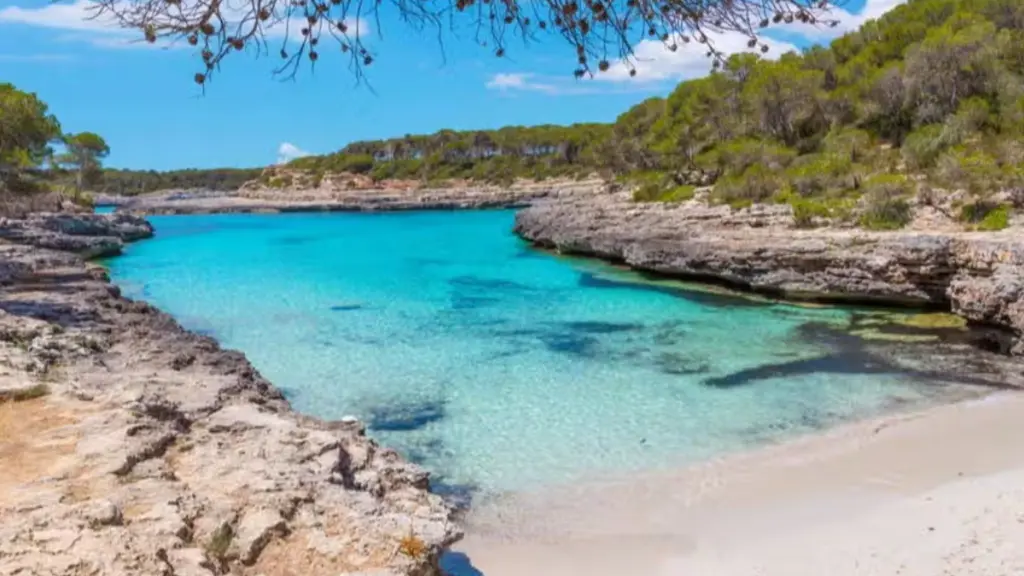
{"x": 848, "y": 143}
{"x": 970, "y": 169}
{"x": 816, "y": 174}
{"x": 649, "y": 192}
{"x": 885, "y": 214}
{"x": 891, "y": 185}
{"x": 756, "y": 184}
{"x": 737, "y": 156}
{"x": 886, "y": 206}
{"x": 922, "y": 146}
{"x": 997, "y": 219}
{"x": 679, "y": 194}
{"x": 986, "y": 215}
{"x": 807, "y": 211}
{"x": 656, "y": 192}
{"x": 972, "y": 115}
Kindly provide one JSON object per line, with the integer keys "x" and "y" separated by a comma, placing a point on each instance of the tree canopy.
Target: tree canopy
{"x": 597, "y": 31}
{"x": 84, "y": 156}
{"x": 26, "y": 131}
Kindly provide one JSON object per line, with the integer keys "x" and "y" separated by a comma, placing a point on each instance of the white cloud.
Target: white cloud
{"x": 512, "y": 82}
{"x": 654, "y": 62}
{"x": 287, "y": 152}
{"x": 76, "y": 17}
{"x": 519, "y": 81}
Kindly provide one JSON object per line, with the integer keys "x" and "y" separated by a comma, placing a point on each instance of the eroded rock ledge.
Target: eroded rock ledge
{"x": 978, "y": 275}
{"x": 154, "y": 451}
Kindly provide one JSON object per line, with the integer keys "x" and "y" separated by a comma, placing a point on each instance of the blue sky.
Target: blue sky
{"x": 143, "y": 100}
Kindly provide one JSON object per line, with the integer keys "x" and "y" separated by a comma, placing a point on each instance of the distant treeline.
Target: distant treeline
{"x": 133, "y": 182}
{"x": 492, "y": 155}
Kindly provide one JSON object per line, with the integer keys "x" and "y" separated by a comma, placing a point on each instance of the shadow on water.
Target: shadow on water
{"x": 852, "y": 355}
{"x": 478, "y": 282}
{"x": 460, "y": 496}
{"x": 571, "y": 344}
{"x": 346, "y": 307}
{"x": 462, "y": 301}
{"x": 836, "y": 363}
{"x": 474, "y": 292}
{"x": 458, "y": 564}
{"x": 405, "y": 417}
{"x": 591, "y": 280}
{"x": 602, "y": 327}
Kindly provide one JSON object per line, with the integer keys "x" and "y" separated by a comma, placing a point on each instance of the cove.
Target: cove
{"x": 499, "y": 367}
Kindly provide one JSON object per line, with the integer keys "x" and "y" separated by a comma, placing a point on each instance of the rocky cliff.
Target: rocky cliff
{"x": 132, "y": 446}
{"x": 979, "y": 275}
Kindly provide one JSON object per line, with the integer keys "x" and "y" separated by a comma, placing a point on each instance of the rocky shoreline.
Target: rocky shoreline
{"x": 976, "y": 275}
{"x": 330, "y": 196}
{"x": 133, "y": 446}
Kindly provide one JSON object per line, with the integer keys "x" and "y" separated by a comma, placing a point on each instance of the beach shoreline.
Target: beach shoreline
{"x": 936, "y": 491}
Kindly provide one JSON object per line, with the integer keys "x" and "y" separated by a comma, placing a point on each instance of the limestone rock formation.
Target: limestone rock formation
{"x": 979, "y": 275}
{"x": 142, "y": 448}
{"x": 89, "y": 235}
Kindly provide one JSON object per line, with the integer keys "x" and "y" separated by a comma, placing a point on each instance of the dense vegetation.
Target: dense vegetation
{"x": 927, "y": 99}
{"x": 490, "y": 155}
{"x": 132, "y": 182}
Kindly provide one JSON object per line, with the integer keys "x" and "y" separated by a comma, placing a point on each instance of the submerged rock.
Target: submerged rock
{"x": 155, "y": 451}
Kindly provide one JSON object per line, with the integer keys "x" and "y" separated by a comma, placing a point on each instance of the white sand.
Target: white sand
{"x": 934, "y": 493}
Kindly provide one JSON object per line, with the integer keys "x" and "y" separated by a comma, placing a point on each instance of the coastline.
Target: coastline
{"x": 976, "y": 275}
{"x": 936, "y": 491}
{"x": 600, "y": 528}
{"x": 132, "y": 445}
{"x": 337, "y": 197}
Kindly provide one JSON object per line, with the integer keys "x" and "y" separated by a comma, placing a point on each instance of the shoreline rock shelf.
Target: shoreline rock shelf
{"x": 328, "y": 197}
{"x": 138, "y": 447}
{"x": 976, "y": 275}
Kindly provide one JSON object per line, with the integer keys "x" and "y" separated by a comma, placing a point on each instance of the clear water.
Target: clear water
{"x": 496, "y": 366}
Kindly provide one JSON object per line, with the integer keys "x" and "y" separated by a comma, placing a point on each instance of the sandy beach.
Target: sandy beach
{"x": 935, "y": 492}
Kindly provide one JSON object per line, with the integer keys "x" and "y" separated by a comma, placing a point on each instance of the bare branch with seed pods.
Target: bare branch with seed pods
{"x": 599, "y": 31}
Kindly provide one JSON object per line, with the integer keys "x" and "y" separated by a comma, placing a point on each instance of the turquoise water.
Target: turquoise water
{"x": 496, "y": 366}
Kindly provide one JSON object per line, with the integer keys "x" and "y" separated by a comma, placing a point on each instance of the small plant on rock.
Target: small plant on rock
{"x": 219, "y": 543}
{"x": 886, "y": 206}
{"x": 412, "y": 546}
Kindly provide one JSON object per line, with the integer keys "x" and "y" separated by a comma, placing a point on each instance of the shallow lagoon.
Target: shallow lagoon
{"x": 497, "y": 366}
